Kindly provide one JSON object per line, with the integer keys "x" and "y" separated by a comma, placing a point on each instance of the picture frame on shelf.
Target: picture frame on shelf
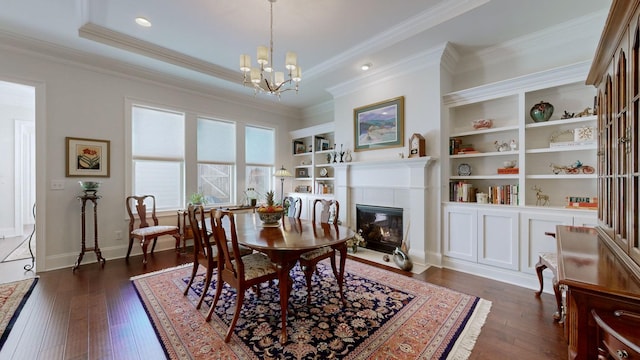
{"x": 324, "y": 145}
{"x": 302, "y": 173}
{"x": 299, "y": 148}
{"x": 379, "y": 125}
{"x": 87, "y": 157}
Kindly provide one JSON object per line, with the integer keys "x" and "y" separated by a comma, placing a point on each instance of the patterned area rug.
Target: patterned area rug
{"x": 13, "y": 296}
{"x": 388, "y": 316}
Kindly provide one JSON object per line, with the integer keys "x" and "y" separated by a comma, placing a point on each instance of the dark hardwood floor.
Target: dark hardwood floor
{"x": 95, "y": 314}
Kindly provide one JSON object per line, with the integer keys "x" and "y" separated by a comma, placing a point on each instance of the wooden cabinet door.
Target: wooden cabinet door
{"x": 460, "y": 232}
{"x": 498, "y": 238}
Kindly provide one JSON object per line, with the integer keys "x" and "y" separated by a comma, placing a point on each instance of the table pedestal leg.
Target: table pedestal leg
{"x": 284, "y": 282}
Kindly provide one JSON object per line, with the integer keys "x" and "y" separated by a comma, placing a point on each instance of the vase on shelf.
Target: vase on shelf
{"x": 541, "y": 111}
{"x": 348, "y": 158}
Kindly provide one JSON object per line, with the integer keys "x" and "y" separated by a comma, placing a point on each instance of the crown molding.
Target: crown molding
{"x": 531, "y": 44}
{"x": 439, "y": 14}
{"x": 125, "y": 42}
{"x": 317, "y": 109}
{"x": 408, "y": 65}
{"x": 554, "y": 77}
{"x": 70, "y": 57}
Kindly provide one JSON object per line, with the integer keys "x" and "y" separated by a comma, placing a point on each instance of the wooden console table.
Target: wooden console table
{"x": 93, "y": 198}
{"x": 595, "y": 277}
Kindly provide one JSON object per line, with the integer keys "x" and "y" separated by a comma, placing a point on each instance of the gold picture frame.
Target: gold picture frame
{"x": 87, "y": 157}
{"x": 379, "y": 125}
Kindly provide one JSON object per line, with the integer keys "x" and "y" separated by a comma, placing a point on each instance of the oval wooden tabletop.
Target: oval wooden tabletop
{"x": 290, "y": 234}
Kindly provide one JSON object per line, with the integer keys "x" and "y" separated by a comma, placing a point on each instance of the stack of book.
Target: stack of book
{"x": 503, "y": 194}
{"x": 582, "y": 202}
{"x": 460, "y": 191}
{"x": 513, "y": 170}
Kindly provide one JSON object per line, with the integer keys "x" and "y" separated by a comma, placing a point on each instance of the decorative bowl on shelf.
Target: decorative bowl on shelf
{"x": 508, "y": 164}
{"x": 270, "y": 217}
{"x": 541, "y": 111}
{"x": 481, "y": 124}
{"x": 89, "y": 185}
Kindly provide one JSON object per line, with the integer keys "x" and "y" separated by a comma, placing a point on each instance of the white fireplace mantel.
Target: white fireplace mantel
{"x": 398, "y": 183}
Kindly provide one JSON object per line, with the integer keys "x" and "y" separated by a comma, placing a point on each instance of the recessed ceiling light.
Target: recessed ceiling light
{"x": 143, "y": 22}
{"x": 366, "y": 66}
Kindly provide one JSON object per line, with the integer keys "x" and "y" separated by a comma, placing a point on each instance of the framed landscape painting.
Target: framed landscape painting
{"x": 87, "y": 157}
{"x": 379, "y": 125}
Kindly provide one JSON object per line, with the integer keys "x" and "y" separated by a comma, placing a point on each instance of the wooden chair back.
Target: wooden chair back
{"x": 202, "y": 247}
{"x": 232, "y": 271}
{"x": 295, "y": 206}
{"x": 137, "y": 209}
{"x": 326, "y": 211}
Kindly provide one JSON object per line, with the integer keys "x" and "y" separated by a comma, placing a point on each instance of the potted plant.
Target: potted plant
{"x": 197, "y": 198}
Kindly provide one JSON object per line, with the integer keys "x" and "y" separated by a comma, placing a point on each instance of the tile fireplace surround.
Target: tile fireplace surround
{"x": 401, "y": 183}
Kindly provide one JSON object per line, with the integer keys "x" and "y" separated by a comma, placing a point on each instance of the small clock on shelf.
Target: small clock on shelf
{"x": 324, "y": 172}
{"x": 464, "y": 170}
{"x": 416, "y": 146}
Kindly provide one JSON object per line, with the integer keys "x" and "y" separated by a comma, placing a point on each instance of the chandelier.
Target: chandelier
{"x": 265, "y": 79}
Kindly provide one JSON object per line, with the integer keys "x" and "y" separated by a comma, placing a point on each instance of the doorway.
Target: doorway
{"x": 17, "y": 175}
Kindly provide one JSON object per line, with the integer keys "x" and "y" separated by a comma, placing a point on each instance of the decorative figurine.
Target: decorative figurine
{"x": 513, "y": 145}
{"x": 329, "y": 158}
{"x": 501, "y": 146}
{"x": 573, "y": 169}
{"x": 585, "y": 112}
{"x": 542, "y": 199}
{"x": 567, "y": 115}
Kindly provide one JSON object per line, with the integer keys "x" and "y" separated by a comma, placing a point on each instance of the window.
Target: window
{"x": 216, "y": 160}
{"x": 157, "y": 151}
{"x": 259, "y": 159}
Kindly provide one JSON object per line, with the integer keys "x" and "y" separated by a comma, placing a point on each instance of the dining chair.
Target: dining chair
{"x": 549, "y": 260}
{"x": 240, "y": 273}
{"x": 146, "y": 231}
{"x": 327, "y": 215}
{"x": 295, "y": 206}
{"x": 205, "y": 252}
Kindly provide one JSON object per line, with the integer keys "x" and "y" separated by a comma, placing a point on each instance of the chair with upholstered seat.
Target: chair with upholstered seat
{"x": 327, "y": 215}
{"x": 241, "y": 273}
{"x": 137, "y": 208}
{"x": 295, "y": 206}
{"x": 549, "y": 260}
{"x": 205, "y": 251}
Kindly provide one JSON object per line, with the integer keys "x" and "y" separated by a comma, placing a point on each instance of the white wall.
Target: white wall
{"x": 87, "y": 102}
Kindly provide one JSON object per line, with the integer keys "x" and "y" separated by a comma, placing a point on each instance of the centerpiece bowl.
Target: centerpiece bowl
{"x": 270, "y": 217}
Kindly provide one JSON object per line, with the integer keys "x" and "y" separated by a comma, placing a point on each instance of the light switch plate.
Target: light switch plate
{"x": 57, "y": 184}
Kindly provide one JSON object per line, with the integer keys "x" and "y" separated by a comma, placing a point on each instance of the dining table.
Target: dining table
{"x": 285, "y": 241}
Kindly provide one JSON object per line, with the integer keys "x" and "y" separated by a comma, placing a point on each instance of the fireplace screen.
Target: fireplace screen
{"x": 381, "y": 226}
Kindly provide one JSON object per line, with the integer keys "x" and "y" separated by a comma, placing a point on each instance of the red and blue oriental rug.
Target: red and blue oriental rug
{"x": 388, "y": 316}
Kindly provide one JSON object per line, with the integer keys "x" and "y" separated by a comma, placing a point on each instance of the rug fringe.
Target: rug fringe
{"x": 468, "y": 337}
{"x": 160, "y": 271}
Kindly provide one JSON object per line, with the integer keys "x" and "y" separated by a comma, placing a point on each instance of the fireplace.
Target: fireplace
{"x": 381, "y": 226}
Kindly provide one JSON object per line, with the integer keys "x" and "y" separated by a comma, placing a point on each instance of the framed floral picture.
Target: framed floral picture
{"x": 87, "y": 157}
{"x": 379, "y": 125}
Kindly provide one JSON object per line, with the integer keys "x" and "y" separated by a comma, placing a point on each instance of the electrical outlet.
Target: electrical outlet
{"x": 57, "y": 184}
{"x": 118, "y": 235}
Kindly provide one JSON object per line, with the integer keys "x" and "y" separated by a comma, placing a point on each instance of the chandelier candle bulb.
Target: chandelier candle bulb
{"x": 279, "y": 78}
{"x": 245, "y": 63}
{"x": 263, "y": 55}
{"x": 255, "y": 75}
{"x": 291, "y": 60}
{"x": 297, "y": 74}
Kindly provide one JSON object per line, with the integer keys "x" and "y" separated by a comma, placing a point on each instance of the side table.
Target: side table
{"x": 89, "y": 195}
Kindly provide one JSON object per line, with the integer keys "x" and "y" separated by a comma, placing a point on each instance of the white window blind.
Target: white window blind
{"x": 158, "y": 155}
{"x": 216, "y": 143}
{"x": 259, "y": 158}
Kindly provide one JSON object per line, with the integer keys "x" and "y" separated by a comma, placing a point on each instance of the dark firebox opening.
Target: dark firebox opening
{"x": 381, "y": 227}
